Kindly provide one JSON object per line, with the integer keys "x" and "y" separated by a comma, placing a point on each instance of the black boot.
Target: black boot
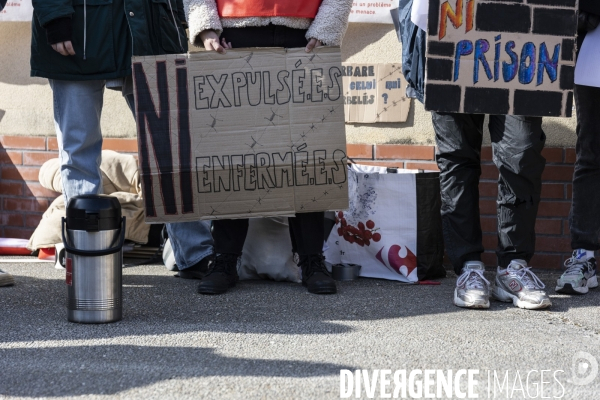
{"x": 221, "y": 276}
{"x": 196, "y": 271}
{"x": 315, "y": 276}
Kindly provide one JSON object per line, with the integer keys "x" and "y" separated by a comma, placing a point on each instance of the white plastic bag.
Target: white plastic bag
{"x": 168, "y": 256}
{"x": 267, "y": 253}
{"x": 383, "y": 224}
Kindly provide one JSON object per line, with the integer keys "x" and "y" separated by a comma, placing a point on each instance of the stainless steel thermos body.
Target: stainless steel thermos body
{"x": 93, "y": 235}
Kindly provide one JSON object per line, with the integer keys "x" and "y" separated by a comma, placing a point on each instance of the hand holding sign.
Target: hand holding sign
{"x": 312, "y": 43}
{"x": 210, "y": 40}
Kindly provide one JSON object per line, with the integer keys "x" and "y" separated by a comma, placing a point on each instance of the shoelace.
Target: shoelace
{"x": 313, "y": 264}
{"x": 575, "y": 266}
{"x": 529, "y": 279}
{"x": 473, "y": 279}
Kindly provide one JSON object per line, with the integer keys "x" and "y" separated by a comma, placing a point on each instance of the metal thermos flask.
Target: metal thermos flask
{"x": 93, "y": 235}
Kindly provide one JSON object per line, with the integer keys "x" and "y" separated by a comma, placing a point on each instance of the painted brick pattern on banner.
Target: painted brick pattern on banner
{"x": 501, "y": 56}
{"x": 23, "y": 200}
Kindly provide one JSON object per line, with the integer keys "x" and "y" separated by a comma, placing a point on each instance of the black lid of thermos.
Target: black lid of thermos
{"x": 93, "y": 213}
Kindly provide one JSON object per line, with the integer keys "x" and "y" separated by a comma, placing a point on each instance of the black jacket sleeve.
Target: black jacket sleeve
{"x": 48, "y": 10}
{"x": 590, "y": 6}
{"x": 59, "y": 30}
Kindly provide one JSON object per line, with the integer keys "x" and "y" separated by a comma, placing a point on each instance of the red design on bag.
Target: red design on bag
{"x": 396, "y": 262}
{"x": 362, "y": 234}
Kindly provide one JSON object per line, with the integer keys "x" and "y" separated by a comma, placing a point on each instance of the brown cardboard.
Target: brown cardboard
{"x": 252, "y": 133}
{"x": 375, "y": 93}
{"x": 510, "y": 57}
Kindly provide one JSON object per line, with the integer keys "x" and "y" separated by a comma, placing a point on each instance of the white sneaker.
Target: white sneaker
{"x": 519, "y": 285}
{"x": 6, "y": 279}
{"x": 472, "y": 289}
{"x": 580, "y": 275}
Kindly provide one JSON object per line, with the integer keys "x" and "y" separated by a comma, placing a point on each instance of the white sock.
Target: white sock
{"x": 588, "y": 253}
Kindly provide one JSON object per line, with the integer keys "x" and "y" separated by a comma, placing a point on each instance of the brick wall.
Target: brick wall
{"x": 22, "y": 199}
{"x": 552, "y": 227}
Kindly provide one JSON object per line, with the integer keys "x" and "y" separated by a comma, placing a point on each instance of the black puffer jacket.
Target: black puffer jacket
{"x": 105, "y": 34}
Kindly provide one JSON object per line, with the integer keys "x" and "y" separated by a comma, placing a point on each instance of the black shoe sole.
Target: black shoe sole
{"x": 214, "y": 289}
{"x": 189, "y": 276}
{"x": 321, "y": 290}
{"x": 568, "y": 289}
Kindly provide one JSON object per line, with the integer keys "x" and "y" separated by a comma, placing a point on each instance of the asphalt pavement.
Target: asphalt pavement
{"x": 273, "y": 340}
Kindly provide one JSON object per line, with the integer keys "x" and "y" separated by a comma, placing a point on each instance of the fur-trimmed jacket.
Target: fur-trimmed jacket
{"x": 328, "y": 26}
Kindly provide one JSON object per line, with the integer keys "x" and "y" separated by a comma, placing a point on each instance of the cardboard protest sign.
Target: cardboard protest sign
{"x": 17, "y": 10}
{"x": 254, "y": 132}
{"x": 372, "y": 11}
{"x": 375, "y": 93}
{"x": 491, "y": 57}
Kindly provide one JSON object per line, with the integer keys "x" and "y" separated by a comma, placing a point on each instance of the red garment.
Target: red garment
{"x": 268, "y": 8}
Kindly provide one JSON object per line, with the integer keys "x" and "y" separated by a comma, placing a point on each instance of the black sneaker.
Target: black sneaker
{"x": 196, "y": 271}
{"x": 221, "y": 275}
{"x": 315, "y": 276}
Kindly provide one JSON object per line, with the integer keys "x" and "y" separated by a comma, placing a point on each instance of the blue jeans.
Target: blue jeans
{"x": 77, "y": 111}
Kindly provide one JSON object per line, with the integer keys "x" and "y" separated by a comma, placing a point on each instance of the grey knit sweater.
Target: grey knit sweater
{"x": 328, "y": 26}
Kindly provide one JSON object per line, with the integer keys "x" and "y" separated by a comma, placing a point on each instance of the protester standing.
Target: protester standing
{"x": 81, "y": 47}
{"x": 584, "y": 218}
{"x": 219, "y": 24}
{"x": 517, "y": 143}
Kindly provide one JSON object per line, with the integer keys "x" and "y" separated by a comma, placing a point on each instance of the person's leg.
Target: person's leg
{"x": 517, "y": 144}
{"x": 192, "y": 245}
{"x": 308, "y": 234}
{"x": 229, "y": 236}
{"x": 458, "y": 138}
{"x": 77, "y": 111}
{"x": 584, "y": 218}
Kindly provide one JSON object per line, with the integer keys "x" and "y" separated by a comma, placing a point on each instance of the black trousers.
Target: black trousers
{"x": 306, "y": 232}
{"x": 306, "y": 229}
{"x": 517, "y": 144}
{"x": 585, "y": 218}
